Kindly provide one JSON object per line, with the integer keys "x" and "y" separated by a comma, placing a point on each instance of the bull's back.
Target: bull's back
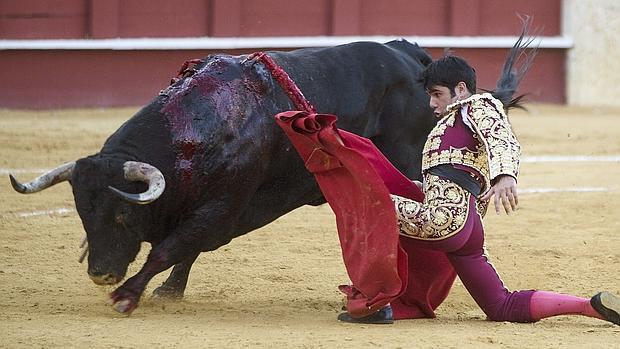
{"x": 350, "y": 80}
{"x": 358, "y": 82}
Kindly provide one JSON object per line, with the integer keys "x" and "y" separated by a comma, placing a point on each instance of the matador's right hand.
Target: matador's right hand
{"x": 504, "y": 193}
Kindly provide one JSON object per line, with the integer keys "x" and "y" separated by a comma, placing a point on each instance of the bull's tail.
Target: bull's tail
{"x": 512, "y": 74}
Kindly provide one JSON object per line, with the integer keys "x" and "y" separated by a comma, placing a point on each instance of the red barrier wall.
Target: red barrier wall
{"x": 75, "y": 19}
{"x": 52, "y": 79}
{"x": 82, "y": 78}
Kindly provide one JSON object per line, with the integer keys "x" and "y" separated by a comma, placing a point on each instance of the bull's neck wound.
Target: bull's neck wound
{"x": 216, "y": 85}
{"x": 186, "y": 138}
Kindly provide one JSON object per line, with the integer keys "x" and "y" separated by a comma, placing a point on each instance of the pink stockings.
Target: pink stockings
{"x": 544, "y": 304}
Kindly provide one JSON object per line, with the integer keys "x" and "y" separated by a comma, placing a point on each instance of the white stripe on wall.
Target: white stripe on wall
{"x": 209, "y": 43}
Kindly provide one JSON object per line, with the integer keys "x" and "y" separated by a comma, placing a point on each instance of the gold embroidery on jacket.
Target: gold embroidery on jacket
{"x": 442, "y": 214}
{"x": 498, "y": 151}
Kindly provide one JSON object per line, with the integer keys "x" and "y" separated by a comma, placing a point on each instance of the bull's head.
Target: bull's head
{"x": 113, "y": 227}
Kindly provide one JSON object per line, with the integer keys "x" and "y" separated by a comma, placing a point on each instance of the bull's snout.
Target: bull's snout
{"x": 103, "y": 278}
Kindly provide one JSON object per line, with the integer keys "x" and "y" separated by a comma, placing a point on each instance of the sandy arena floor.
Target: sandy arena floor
{"x": 276, "y": 287}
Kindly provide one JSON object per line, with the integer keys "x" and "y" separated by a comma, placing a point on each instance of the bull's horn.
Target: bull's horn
{"x": 46, "y": 180}
{"x": 143, "y": 172}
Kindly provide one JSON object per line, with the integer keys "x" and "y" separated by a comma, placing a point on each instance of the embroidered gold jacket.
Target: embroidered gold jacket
{"x": 497, "y": 150}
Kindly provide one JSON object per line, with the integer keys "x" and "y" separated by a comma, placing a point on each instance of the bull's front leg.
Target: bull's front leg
{"x": 174, "y": 249}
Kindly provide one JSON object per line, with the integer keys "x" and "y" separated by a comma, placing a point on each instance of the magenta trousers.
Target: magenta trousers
{"x": 465, "y": 250}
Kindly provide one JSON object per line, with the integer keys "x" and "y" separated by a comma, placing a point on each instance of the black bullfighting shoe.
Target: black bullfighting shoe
{"x": 608, "y": 306}
{"x": 383, "y": 316}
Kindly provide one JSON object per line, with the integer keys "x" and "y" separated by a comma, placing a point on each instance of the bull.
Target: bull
{"x": 204, "y": 161}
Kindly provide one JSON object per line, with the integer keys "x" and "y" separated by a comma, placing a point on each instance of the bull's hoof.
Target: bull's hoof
{"x": 166, "y": 292}
{"x": 123, "y": 302}
{"x": 123, "y": 307}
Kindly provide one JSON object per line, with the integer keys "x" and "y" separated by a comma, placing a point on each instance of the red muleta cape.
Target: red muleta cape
{"x": 356, "y": 180}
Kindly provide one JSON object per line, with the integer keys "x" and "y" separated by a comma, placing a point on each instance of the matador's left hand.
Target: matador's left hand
{"x": 504, "y": 192}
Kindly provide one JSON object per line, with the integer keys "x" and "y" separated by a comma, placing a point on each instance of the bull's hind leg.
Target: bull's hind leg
{"x": 174, "y": 286}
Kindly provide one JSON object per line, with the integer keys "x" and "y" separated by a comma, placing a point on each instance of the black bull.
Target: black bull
{"x": 211, "y": 141}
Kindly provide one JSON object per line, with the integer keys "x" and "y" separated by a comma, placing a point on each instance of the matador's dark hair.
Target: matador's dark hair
{"x": 448, "y": 71}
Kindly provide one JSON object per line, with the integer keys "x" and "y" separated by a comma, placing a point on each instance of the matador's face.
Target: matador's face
{"x": 441, "y": 97}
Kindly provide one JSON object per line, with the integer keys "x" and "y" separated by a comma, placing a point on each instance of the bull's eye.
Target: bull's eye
{"x": 119, "y": 218}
